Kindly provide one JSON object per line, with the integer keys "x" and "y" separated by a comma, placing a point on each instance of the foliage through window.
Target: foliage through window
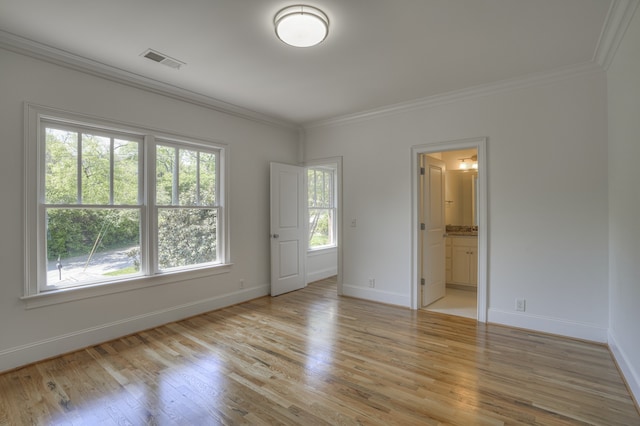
{"x": 186, "y": 206}
{"x": 92, "y": 205}
{"x": 322, "y": 207}
{"x": 113, "y": 204}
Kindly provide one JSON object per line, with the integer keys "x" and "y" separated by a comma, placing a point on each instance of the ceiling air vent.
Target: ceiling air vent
{"x": 162, "y": 59}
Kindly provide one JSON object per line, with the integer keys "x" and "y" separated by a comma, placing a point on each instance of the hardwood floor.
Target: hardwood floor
{"x": 311, "y": 358}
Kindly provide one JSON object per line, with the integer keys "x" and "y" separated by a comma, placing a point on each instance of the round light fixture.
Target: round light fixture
{"x": 301, "y": 26}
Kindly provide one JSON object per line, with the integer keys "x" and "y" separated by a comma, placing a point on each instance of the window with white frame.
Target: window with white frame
{"x": 187, "y": 210}
{"x": 321, "y": 193}
{"x": 112, "y": 203}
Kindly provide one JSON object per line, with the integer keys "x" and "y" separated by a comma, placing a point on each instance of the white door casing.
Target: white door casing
{"x": 287, "y": 228}
{"x": 480, "y": 144}
{"x": 433, "y": 236}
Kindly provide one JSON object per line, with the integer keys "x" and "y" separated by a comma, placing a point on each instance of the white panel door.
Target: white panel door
{"x": 433, "y": 236}
{"x": 287, "y": 228}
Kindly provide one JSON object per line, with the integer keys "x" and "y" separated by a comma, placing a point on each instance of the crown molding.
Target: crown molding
{"x": 615, "y": 25}
{"x": 463, "y": 94}
{"x": 23, "y": 46}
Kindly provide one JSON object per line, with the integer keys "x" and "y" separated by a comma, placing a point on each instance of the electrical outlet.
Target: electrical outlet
{"x": 520, "y": 305}
{"x": 242, "y": 283}
{"x": 354, "y": 223}
{"x": 372, "y": 282}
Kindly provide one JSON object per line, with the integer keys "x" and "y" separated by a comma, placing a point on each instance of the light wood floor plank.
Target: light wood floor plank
{"x": 313, "y": 358}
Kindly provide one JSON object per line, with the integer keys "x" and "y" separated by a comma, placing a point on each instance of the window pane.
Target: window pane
{"x": 61, "y": 166}
{"x": 207, "y": 179}
{"x": 96, "y": 162}
{"x": 92, "y": 244}
{"x": 321, "y": 227}
{"x": 186, "y": 237}
{"x": 320, "y": 189}
{"x": 125, "y": 172}
{"x": 188, "y": 169}
{"x": 165, "y": 167}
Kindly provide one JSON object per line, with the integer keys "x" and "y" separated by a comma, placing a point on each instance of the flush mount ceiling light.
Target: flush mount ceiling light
{"x": 301, "y": 26}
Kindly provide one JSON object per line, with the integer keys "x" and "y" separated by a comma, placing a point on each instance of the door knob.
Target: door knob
{"x": 276, "y": 236}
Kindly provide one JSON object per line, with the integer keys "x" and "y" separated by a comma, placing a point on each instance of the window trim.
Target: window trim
{"x": 33, "y": 204}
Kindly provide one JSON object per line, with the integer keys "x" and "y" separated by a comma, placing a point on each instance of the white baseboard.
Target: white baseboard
{"x": 558, "y": 326}
{"x": 630, "y": 374}
{"x": 376, "y": 295}
{"x": 321, "y": 275}
{"x": 26, "y": 354}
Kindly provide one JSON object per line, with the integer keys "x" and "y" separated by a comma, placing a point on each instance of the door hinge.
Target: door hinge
{"x": 422, "y": 282}
{"x": 423, "y": 227}
{"x": 422, "y": 171}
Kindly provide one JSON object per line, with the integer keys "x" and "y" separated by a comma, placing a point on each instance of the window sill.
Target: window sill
{"x": 320, "y": 250}
{"x": 64, "y": 295}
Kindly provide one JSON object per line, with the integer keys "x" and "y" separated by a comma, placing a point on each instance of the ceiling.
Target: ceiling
{"x": 378, "y": 52}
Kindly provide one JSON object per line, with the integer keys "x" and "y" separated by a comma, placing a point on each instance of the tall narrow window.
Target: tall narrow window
{"x": 322, "y": 207}
{"x": 92, "y": 206}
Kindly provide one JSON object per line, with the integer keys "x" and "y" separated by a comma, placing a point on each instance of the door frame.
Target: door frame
{"x": 480, "y": 144}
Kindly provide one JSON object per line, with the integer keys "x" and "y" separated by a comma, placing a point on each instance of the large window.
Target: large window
{"x": 321, "y": 191}
{"x": 108, "y": 205}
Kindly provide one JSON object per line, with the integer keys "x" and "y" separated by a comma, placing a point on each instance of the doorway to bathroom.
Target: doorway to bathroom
{"x": 450, "y": 228}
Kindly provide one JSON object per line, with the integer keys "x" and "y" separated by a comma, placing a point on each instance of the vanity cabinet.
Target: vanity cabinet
{"x": 462, "y": 260}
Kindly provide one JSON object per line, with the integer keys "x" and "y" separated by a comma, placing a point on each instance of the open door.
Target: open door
{"x": 433, "y": 230}
{"x": 287, "y": 228}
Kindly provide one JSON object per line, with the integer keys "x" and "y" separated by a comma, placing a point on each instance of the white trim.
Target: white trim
{"x": 21, "y": 355}
{"x": 558, "y": 326}
{"x": 629, "y": 373}
{"x": 66, "y": 59}
{"x": 375, "y": 295}
{"x": 463, "y": 94}
{"x": 483, "y": 231}
{"x": 612, "y": 31}
{"x": 88, "y": 291}
{"x": 616, "y": 23}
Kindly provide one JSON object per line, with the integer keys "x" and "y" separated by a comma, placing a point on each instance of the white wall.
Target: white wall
{"x": 29, "y": 335}
{"x": 623, "y": 83}
{"x": 321, "y": 264}
{"x": 547, "y": 213}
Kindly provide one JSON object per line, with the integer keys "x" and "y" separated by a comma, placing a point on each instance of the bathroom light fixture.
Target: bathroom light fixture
{"x": 301, "y": 25}
{"x": 463, "y": 165}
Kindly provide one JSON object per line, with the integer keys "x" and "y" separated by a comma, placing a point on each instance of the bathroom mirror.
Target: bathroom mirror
{"x": 461, "y": 197}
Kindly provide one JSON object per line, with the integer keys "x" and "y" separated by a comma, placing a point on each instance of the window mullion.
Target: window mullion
{"x": 149, "y": 225}
{"x": 111, "y": 169}
{"x": 197, "y": 178}
{"x": 79, "y": 170}
{"x": 315, "y": 188}
{"x": 332, "y": 200}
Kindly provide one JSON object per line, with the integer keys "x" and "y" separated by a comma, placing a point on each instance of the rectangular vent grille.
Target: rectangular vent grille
{"x": 163, "y": 59}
